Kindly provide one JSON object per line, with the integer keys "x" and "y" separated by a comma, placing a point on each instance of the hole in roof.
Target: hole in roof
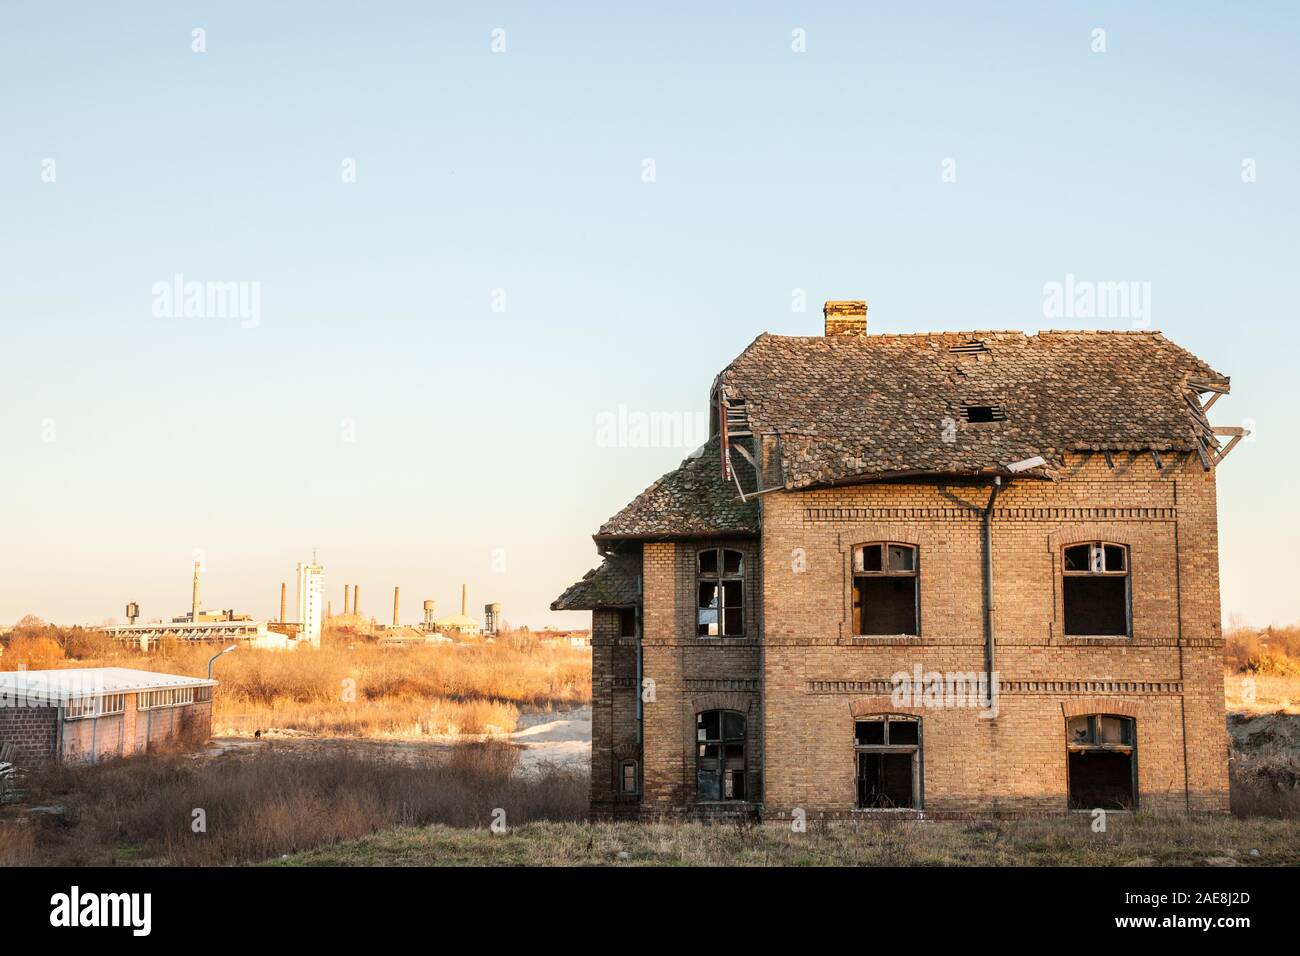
{"x": 983, "y": 413}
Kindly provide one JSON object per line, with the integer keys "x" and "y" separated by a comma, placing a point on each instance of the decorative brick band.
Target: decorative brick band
{"x": 882, "y": 688}
{"x": 1022, "y": 514}
{"x": 703, "y": 685}
{"x": 624, "y": 683}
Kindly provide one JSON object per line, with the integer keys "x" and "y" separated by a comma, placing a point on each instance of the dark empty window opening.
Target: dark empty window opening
{"x": 888, "y": 752}
{"x": 1096, "y": 591}
{"x": 627, "y": 622}
{"x": 972, "y": 347}
{"x": 720, "y": 755}
{"x": 720, "y": 586}
{"x": 983, "y": 413}
{"x": 1102, "y": 767}
{"x": 627, "y": 776}
{"x": 885, "y": 594}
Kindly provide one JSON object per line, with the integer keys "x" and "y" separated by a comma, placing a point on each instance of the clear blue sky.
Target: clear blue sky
{"x": 522, "y": 171}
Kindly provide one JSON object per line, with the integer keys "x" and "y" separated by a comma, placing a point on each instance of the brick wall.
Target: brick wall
{"x": 802, "y": 677}
{"x": 33, "y": 731}
{"x": 817, "y": 674}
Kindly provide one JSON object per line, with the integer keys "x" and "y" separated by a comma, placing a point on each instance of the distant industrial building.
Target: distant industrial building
{"x": 311, "y": 602}
{"x": 462, "y": 622}
{"x": 226, "y": 625}
{"x": 81, "y": 715}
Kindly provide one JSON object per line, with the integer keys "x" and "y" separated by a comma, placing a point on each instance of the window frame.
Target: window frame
{"x": 719, "y": 577}
{"x": 885, "y": 572}
{"x": 109, "y": 704}
{"x": 916, "y": 750}
{"x": 1099, "y": 546}
{"x": 623, "y": 767}
{"x": 1129, "y": 748}
{"x": 721, "y": 742}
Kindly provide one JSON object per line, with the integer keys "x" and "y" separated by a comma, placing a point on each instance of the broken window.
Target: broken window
{"x": 1101, "y": 762}
{"x": 627, "y": 622}
{"x": 885, "y": 593}
{"x": 888, "y": 751}
{"x": 721, "y": 593}
{"x": 627, "y": 776}
{"x": 1095, "y": 586}
{"x": 720, "y": 755}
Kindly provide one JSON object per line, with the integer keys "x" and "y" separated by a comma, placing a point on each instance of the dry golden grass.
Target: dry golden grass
{"x": 352, "y": 686}
{"x": 269, "y": 800}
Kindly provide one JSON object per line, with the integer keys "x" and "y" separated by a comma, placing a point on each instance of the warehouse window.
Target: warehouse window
{"x": 169, "y": 697}
{"x": 720, "y": 585}
{"x": 103, "y": 706}
{"x": 1095, "y": 586}
{"x": 1101, "y": 762}
{"x": 885, "y": 592}
{"x": 720, "y": 755}
{"x": 888, "y": 750}
{"x": 627, "y": 776}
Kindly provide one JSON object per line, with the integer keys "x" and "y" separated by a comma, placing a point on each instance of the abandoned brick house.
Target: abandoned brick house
{"x": 938, "y": 572}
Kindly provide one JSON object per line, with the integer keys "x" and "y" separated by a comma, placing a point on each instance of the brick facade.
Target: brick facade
{"x": 801, "y": 677}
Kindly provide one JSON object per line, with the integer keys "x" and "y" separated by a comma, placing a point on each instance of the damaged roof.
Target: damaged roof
{"x": 616, "y": 583}
{"x": 856, "y": 407}
{"x": 693, "y": 500}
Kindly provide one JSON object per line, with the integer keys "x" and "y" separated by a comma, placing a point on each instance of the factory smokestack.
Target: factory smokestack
{"x": 194, "y": 606}
{"x": 462, "y": 600}
{"x": 356, "y": 599}
{"x": 395, "y": 593}
{"x": 283, "y": 605}
{"x": 346, "y": 588}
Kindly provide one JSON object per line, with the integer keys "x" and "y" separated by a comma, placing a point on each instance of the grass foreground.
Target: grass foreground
{"x": 1142, "y": 840}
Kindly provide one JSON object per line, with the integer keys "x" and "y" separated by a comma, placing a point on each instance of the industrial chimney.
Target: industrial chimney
{"x": 194, "y": 607}
{"x": 395, "y": 593}
{"x": 356, "y": 599}
{"x": 463, "y": 606}
{"x": 346, "y": 589}
{"x": 845, "y": 317}
{"x": 283, "y": 604}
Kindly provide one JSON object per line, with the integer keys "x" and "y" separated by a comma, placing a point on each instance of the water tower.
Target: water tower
{"x": 491, "y": 617}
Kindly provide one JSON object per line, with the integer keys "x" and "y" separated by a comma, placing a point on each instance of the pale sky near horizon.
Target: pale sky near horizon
{"x": 381, "y": 409}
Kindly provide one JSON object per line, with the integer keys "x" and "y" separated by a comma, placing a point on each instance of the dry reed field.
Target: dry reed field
{"x": 261, "y": 803}
{"x": 351, "y": 687}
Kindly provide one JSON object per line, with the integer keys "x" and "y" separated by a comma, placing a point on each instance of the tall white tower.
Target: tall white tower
{"x": 311, "y": 598}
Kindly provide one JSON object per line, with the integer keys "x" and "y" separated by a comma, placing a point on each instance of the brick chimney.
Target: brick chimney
{"x": 846, "y": 317}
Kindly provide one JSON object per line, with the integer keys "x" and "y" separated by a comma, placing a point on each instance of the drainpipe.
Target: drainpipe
{"x": 986, "y": 561}
{"x": 989, "y": 616}
{"x": 640, "y": 665}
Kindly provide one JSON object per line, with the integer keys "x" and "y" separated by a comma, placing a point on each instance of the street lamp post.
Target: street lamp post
{"x": 232, "y": 647}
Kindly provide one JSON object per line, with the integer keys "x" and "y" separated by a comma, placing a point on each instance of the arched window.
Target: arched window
{"x": 1095, "y": 587}
{"x": 888, "y": 748}
{"x": 885, "y": 593}
{"x": 720, "y": 755}
{"x": 1102, "y": 762}
{"x": 720, "y": 580}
